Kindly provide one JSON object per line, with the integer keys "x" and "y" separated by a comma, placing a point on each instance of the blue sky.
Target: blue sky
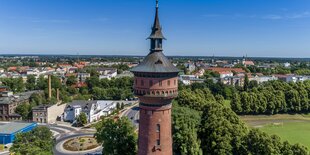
{"x": 278, "y": 28}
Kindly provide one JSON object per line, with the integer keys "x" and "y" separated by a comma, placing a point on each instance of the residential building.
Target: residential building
{"x": 83, "y": 76}
{"x": 9, "y": 103}
{"x": 47, "y": 113}
{"x": 190, "y": 79}
{"x": 93, "y": 109}
{"x": 224, "y": 74}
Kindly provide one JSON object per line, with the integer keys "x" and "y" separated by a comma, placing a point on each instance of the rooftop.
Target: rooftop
{"x": 155, "y": 62}
{"x": 13, "y": 127}
{"x": 17, "y": 97}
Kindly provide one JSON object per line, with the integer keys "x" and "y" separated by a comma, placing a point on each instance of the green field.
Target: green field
{"x": 294, "y": 132}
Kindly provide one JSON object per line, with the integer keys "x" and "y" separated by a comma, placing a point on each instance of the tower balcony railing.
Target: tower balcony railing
{"x": 156, "y": 93}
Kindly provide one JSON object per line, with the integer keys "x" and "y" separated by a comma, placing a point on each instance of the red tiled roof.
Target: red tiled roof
{"x": 248, "y": 63}
{"x": 222, "y": 69}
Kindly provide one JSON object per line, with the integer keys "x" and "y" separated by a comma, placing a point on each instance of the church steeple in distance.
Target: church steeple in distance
{"x": 156, "y": 36}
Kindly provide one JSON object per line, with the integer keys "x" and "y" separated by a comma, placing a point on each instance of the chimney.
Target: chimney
{"x": 57, "y": 94}
{"x": 49, "y": 86}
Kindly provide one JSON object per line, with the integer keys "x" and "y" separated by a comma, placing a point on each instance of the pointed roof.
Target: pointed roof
{"x": 155, "y": 62}
{"x": 156, "y": 29}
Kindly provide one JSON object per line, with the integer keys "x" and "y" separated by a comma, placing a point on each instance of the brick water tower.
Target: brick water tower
{"x": 156, "y": 85}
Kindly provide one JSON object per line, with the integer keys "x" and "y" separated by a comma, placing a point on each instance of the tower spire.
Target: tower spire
{"x": 156, "y": 36}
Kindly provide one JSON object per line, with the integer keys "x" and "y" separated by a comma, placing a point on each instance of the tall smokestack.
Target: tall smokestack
{"x": 57, "y": 94}
{"x": 49, "y": 86}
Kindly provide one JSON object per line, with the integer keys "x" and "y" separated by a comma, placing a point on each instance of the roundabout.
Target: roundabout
{"x": 84, "y": 143}
{"x": 86, "y": 139}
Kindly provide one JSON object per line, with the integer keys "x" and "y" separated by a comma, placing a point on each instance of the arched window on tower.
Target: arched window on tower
{"x": 168, "y": 82}
{"x": 158, "y": 128}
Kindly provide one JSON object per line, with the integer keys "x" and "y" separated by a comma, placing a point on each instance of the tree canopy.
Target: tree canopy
{"x": 117, "y": 137}
{"x": 39, "y": 141}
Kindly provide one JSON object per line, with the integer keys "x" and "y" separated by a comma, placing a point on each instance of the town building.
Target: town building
{"x": 9, "y": 103}
{"x": 233, "y": 81}
{"x": 47, "y": 113}
{"x": 107, "y": 73}
{"x": 94, "y": 109}
{"x": 262, "y": 79}
{"x": 223, "y": 69}
{"x": 190, "y": 79}
{"x": 156, "y": 85}
{"x": 81, "y": 77}
{"x": 9, "y": 130}
{"x": 224, "y": 74}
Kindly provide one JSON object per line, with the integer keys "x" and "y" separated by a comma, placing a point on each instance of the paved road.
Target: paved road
{"x": 133, "y": 115}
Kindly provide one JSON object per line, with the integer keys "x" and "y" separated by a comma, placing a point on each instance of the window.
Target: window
{"x": 151, "y": 83}
{"x": 175, "y": 82}
{"x": 157, "y": 142}
{"x": 160, "y": 83}
{"x": 142, "y": 83}
{"x": 158, "y": 128}
{"x": 168, "y": 82}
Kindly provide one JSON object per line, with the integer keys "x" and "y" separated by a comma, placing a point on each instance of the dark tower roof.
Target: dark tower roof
{"x": 156, "y": 29}
{"x": 156, "y": 61}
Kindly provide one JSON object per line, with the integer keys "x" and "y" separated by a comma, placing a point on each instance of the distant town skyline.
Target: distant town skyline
{"x": 257, "y": 28}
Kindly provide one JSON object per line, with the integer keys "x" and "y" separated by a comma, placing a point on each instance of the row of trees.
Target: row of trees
{"x": 272, "y": 98}
{"x": 114, "y": 89}
{"x": 202, "y": 125}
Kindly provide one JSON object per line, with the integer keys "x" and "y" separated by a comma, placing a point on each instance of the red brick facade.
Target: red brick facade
{"x": 155, "y": 96}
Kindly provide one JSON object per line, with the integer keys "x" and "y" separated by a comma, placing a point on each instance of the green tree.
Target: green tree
{"x": 236, "y": 104}
{"x": 39, "y": 141}
{"x": 24, "y": 110}
{"x": 81, "y": 120}
{"x": 41, "y": 83}
{"x": 245, "y": 102}
{"x": 117, "y": 137}
{"x": 31, "y": 82}
{"x": 185, "y": 126}
{"x": 71, "y": 80}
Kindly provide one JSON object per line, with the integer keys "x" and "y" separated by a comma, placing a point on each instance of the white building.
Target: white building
{"x": 287, "y": 65}
{"x": 71, "y": 112}
{"x": 189, "y": 79}
{"x": 261, "y": 79}
{"x": 93, "y": 109}
{"x": 224, "y": 74}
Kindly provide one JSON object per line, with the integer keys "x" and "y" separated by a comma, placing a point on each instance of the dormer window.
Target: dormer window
{"x": 158, "y": 62}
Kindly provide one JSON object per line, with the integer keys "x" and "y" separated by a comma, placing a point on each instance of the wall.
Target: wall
{"x": 54, "y": 111}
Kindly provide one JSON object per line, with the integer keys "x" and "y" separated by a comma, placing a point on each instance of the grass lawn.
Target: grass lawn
{"x": 294, "y": 132}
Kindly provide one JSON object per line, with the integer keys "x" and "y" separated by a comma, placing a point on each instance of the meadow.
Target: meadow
{"x": 294, "y": 132}
{"x": 293, "y": 128}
